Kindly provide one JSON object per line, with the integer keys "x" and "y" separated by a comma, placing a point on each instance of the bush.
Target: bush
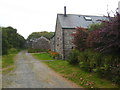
{"x": 54, "y": 55}
{"x": 36, "y": 50}
{"x": 88, "y": 60}
{"x": 106, "y": 39}
{"x": 80, "y": 38}
{"x": 105, "y": 65}
{"x": 12, "y": 51}
{"x": 11, "y": 39}
{"x": 73, "y": 57}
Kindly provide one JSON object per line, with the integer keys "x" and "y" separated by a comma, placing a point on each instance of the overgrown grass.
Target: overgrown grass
{"x": 75, "y": 74}
{"x": 7, "y": 60}
{"x": 42, "y": 56}
{"x": 80, "y": 77}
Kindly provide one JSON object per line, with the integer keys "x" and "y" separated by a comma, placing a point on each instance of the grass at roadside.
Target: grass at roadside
{"x": 79, "y": 76}
{"x": 7, "y": 63}
{"x": 7, "y": 60}
{"x": 75, "y": 74}
{"x": 42, "y": 56}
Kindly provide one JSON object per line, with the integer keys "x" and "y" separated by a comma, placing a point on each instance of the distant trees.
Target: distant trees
{"x": 11, "y": 39}
{"x": 36, "y": 35}
{"x": 46, "y": 34}
{"x": 106, "y": 39}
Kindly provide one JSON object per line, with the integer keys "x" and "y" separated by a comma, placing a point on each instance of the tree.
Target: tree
{"x": 11, "y": 39}
{"x": 36, "y": 35}
{"x": 107, "y": 38}
{"x": 80, "y": 38}
{"x": 46, "y": 34}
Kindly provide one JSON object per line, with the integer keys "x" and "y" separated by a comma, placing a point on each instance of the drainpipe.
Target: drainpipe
{"x": 63, "y": 44}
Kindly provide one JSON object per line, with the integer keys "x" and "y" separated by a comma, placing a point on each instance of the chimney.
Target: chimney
{"x": 119, "y": 7}
{"x": 65, "y": 11}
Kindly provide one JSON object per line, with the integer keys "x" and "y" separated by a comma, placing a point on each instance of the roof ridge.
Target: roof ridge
{"x": 82, "y": 15}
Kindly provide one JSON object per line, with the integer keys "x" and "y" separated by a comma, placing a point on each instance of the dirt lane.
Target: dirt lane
{"x": 31, "y": 73}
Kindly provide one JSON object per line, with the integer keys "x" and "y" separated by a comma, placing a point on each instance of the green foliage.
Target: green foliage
{"x": 30, "y": 50}
{"x": 11, "y": 39}
{"x": 80, "y": 38}
{"x": 43, "y": 56}
{"x": 13, "y": 51}
{"x": 7, "y": 60}
{"x": 78, "y": 76}
{"x": 103, "y": 38}
{"x": 46, "y": 34}
{"x": 88, "y": 60}
{"x": 54, "y": 54}
{"x": 73, "y": 57}
{"x": 105, "y": 65}
{"x": 36, "y": 35}
{"x": 107, "y": 38}
{"x": 96, "y": 26}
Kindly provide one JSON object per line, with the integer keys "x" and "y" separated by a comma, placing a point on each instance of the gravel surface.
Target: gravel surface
{"x": 31, "y": 73}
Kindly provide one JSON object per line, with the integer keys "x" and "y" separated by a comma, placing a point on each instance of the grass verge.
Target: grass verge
{"x": 42, "y": 56}
{"x": 8, "y": 62}
{"x": 75, "y": 74}
{"x": 78, "y": 76}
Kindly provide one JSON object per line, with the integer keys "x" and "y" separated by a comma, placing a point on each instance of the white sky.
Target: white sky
{"x": 29, "y": 16}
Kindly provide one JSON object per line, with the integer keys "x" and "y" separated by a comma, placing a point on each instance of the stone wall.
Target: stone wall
{"x": 59, "y": 39}
{"x": 52, "y": 44}
{"x": 41, "y": 43}
{"x": 68, "y": 45}
{"x": 63, "y": 40}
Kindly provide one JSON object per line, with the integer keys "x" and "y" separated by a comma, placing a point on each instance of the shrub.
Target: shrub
{"x": 80, "y": 38}
{"x": 105, "y": 65}
{"x": 88, "y": 60}
{"x": 104, "y": 41}
{"x": 12, "y": 51}
{"x": 73, "y": 57}
{"x": 53, "y": 54}
{"x": 37, "y": 50}
{"x": 107, "y": 38}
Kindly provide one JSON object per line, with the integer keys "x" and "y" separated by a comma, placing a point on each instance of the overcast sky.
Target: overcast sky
{"x": 29, "y": 16}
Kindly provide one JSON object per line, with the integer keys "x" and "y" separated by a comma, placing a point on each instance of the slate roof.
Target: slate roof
{"x": 42, "y": 37}
{"x": 73, "y": 20}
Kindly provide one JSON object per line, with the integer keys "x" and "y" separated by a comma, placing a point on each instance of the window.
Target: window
{"x": 88, "y": 18}
{"x": 74, "y": 32}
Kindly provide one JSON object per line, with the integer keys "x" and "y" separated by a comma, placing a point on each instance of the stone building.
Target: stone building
{"x": 52, "y": 43}
{"x": 65, "y": 26}
{"x": 41, "y": 43}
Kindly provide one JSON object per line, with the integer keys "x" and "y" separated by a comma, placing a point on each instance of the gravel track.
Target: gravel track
{"x": 31, "y": 73}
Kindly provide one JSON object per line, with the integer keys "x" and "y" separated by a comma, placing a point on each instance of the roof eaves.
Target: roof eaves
{"x": 67, "y": 28}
